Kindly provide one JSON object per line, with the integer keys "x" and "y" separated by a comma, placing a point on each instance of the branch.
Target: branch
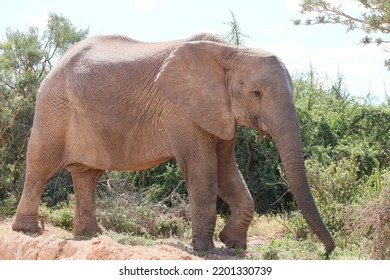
{"x": 52, "y": 55}
{"x": 7, "y": 84}
{"x": 48, "y": 58}
{"x": 366, "y": 23}
{"x": 280, "y": 198}
{"x": 169, "y": 197}
{"x": 42, "y": 70}
{"x": 8, "y": 126}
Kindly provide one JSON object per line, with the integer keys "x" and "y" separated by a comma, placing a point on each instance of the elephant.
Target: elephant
{"x": 115, "y": 103}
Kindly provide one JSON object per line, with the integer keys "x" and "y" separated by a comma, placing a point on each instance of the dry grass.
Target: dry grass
{"x": 267, "y": 227}
{"x": 373, "y": 222}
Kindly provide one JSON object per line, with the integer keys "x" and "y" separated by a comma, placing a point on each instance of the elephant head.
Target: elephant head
{"x": 219, "y": 85}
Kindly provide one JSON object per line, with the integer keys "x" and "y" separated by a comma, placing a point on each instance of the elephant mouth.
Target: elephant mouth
{"x": 263, "y": 134}
{"x": 261, "y": 128}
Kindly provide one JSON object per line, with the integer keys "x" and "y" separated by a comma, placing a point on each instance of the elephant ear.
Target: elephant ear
{"x": 194, "y": 80}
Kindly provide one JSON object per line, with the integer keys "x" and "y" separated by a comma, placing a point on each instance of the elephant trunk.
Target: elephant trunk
{"x": 288, "y": 142}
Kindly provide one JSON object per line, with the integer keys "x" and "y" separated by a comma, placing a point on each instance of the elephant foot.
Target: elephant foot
{"x": 27, "y": 223}
{"x": 87, "y": 230}
{"x": 233, "y": 240}
{"x": 202, "y": 245}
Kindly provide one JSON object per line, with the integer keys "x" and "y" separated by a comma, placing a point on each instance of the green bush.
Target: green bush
{"x": 61, "y": 215}
{"x": 128, "y": 213}
{"x": 261, "y": 168}
{"x": 170, "y": 225}
{"x": 337, "y": 188}
{"x": 336, "y": 183}
{"x": 25, "y": 59}
{"x": 8, "y": 205}
{"x": 58, "y": 189}
{"x": 63, "y": 218}
{"x": 371, "y": 220}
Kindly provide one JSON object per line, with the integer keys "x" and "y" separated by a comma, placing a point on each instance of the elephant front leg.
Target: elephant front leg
{"x": 200, "y": 173}
{"x": 203, "y": 216}
{"x": 233, "y": 190}
{"x": 84, "y": 220}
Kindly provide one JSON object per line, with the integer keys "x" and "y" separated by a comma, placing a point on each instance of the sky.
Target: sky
{"x": 329, "y": 49}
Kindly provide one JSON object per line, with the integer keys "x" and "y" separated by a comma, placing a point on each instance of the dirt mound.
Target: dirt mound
{"x": 51, "y": 246}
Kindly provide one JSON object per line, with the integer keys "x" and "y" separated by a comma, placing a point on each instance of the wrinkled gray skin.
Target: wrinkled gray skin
{"x": 113, "y": 103}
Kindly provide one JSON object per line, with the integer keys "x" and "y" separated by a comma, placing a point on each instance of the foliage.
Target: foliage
{"x": 8, "y": 205}
{"x": 234, "y": 35}
{"x": 373, "y": 221}
{"x": 130, "y": 213}
{"x": 58, "y": 189}
{"x": 361, "y": 228}
{"x": 261, "y": 168}
{"x": 25, "y": 59}
{"x": 162, "y": 183}
{"x": 335, "y": 187}
{"x": 376, "y": 18}
{"x": 61, "y": 215}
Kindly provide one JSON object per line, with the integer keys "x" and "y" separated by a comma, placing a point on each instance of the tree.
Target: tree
{"x": 234, "y": 35}
{"x": 25, "y": 59}
{"x": 374, "y": 19}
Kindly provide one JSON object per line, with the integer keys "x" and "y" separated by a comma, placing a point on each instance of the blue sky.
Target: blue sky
{"x": 268, "y": 23}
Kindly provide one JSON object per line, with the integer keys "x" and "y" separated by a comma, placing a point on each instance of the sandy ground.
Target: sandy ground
{"x": 56, "y": 244}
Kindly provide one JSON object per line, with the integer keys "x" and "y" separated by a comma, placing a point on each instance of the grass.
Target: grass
{"x": 131, "y": 220}
{"x": 268, "y": 239}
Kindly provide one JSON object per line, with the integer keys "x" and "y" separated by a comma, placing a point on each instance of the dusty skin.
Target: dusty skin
{"x": 54, "y": 245}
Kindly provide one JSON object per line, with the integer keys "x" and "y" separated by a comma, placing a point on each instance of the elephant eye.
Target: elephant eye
{"x": 258, "y": 93}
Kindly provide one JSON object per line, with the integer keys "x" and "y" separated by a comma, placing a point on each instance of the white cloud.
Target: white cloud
{"x": 360, "y": 58}
{"x": 208, "y": 30}
{"x": 355, "y": 60}
{"x": 290, "y": 27}
{"x": 292, "y": 5}
{"x": 36, "y": 20}
{"x": 292, "y": 53}
{"x": 282, "y": 27}
{"x": 361, "y": 66}
{"x": 146, "y": 5}
{"x": 40, "y": 18}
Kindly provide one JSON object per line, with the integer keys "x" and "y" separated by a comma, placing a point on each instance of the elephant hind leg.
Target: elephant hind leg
{"x": 84, "y": 181}
{"x": 26, "y": 219}
{"x": 37, "y": 175}
{"x": 45, "y": 157}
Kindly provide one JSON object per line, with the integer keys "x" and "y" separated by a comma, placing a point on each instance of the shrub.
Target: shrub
{"x": 336, "y": 183}
{"x": 58, "y": 189}
{"x": 61, "y": 215}
{"x": 372, "y": 221}
{"x": 170, "y": 225}
{"x": 8, "y": 205}
{"x": 296, "y": 225}
{"x": 63, "y": 218}
{"x": 338, "y": 188}
{"x": 128, "y": 213}
{"x": 260, "y": 166}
